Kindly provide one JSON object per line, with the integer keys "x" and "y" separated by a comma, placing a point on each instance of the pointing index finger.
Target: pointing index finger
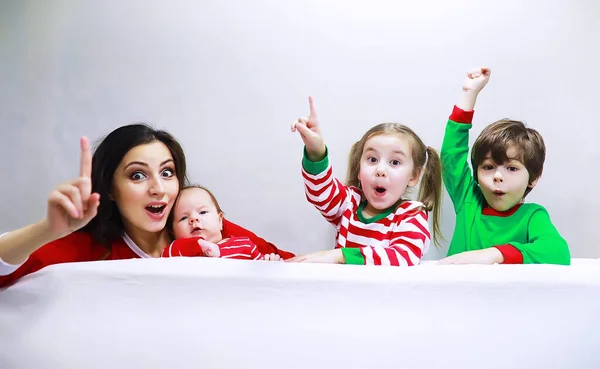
{"x": 313, "y": 110}
{"x": 85, "y": 168}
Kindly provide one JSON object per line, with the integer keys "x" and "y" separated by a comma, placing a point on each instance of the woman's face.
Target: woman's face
{"x": 145, "y": 187}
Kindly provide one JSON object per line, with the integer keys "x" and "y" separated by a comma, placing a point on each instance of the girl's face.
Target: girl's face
{"x": 196, "y": 215}
{"x": 386, "y": 170}
{"x": 144, "y": 187}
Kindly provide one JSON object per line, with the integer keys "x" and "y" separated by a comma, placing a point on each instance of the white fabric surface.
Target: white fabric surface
{"x": 211, "y": 313}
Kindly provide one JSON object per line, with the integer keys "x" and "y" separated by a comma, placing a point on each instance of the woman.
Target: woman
{"x": 116, "y": 209}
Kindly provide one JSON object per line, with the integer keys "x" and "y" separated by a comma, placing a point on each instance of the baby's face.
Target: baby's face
{"x": 195, "y": 215}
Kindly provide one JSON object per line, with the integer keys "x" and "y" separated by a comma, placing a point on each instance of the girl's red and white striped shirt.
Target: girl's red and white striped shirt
{"x": 399, "y": 238}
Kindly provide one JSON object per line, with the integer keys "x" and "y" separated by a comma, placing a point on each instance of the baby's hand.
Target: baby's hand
{"x": 477, "y": 79}
{"x": 209, "y": 249}
{"x": 272, "y": 257}
{"x": 309, "y": 130}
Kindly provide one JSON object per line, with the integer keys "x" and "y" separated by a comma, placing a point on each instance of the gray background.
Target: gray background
{"x": 227, "y": 79}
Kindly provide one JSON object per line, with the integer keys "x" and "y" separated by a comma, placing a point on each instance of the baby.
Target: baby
{"x": 196, "y": 223}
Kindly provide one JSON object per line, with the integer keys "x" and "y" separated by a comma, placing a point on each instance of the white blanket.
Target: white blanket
{"x": 211, "y": 313}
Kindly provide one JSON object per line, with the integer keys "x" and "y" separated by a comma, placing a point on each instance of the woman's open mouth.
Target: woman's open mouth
{"x": 156, "y": 211}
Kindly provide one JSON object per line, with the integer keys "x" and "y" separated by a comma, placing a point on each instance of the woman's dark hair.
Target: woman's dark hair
{"x": 107, "y": 225}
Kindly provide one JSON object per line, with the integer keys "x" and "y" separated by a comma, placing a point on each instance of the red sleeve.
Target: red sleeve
{"x": 183, "y": 247}
{"x": 76, "y": 247}
{"x": 233, "y": 248}
{"x": 511, "y": 254}
{"x": 231, "y": 229}
{"x": 240, "y": 248}
{"x": 461, "y": 116}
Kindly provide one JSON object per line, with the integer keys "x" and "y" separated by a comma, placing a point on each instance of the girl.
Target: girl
{"x": 116, "y": 209}
{"x": 375, "y": 224}
{"x": 197, "y": 225}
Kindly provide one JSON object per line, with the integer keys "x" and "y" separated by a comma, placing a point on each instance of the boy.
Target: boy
{"x": 493, "y": 224}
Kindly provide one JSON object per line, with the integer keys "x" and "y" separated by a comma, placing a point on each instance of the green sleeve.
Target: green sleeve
{"x": 546, "y": 245}
{"x": 456, "y": 173}
{"x": 315, "y": 167}
{"x": 353, "y": 255}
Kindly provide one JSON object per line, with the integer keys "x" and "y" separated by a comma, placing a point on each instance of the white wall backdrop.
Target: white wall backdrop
{"x": 228, "y": 77}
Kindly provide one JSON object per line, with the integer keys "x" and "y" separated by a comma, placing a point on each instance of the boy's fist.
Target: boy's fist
{"x": 476, "y": 79}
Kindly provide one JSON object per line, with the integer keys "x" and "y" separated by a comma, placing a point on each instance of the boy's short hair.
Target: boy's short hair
{"x": 501, "y": 135}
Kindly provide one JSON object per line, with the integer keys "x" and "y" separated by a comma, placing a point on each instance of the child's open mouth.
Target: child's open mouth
{"x": 499, "y": 193}
{"x": 380, "y": 191}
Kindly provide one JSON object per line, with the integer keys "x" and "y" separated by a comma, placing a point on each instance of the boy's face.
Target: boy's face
{"x": 195, "y": 215}
{"x": 503, "y": 185}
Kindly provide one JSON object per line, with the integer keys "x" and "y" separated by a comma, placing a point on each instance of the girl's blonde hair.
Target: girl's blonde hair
{"x": 425, "y": 158}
